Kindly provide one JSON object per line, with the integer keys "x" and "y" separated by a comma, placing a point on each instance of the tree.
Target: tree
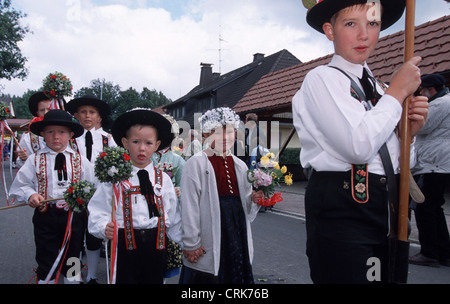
{"x": 12, "y": 62}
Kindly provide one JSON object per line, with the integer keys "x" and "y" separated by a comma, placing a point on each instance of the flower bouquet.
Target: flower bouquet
{"x": 57, "y": 85}
{"x": 4, "y": 111}
{"x": 78, "y": 194}
{"x": 113, "y": 165}
{"x": 167, "y": 167}
{"x": 266, "y": 176}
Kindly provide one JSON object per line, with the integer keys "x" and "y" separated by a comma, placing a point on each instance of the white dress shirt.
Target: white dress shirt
{"x": 335, "y": 129}
{"x": 25, "y": 183}
{"x": 100, "y": 207}
{"x": 97, "y": 146}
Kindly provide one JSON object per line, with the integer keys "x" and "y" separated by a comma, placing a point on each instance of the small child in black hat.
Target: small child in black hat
{"x": 46, "y": 175}
{"x": 151, "y": 202}
{"x": 344, "y": 117}
{"x": 38, "y": 105}
{"x": 91, "y": 112}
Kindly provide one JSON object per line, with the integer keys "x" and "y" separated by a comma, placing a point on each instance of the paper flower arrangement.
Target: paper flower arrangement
{"x": 57, "y": 85}
{"x": 113, "y": 165}
{"x": 266, "y": 177}
{"x": 78, "y": 194}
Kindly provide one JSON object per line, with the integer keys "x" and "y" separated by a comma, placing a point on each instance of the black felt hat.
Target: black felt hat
{"x": 57, "y": 118}
{"x": 432, "y": 80}
{"x": 144, "y": 117}
{"x": 325, "y": 9}
{"x": 34, "y": 100}
{"x": 88, "y": 100}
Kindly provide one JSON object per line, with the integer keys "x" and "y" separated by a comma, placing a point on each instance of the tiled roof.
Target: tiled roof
{"x": 248, "y": 74}
{"x": 275, "y": 91}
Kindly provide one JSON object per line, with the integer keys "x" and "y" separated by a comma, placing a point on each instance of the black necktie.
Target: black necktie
{"x": 89, "y": 143}
{"x": 368, "y": 84}
{"x": 60, "y": 166}
{"x": 147, "y": 191}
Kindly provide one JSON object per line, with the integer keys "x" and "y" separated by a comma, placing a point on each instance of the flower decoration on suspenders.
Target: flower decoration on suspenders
{"x": 78, "y": 194}
{"x": 113, "y": 165}
{"x": 266, "y": 176}
{"x": 57, "y": 85}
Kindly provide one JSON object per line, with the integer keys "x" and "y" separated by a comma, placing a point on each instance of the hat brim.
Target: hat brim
{"x": 103, "y": 108}
{"x": 146, "y": 118}
{"x": 38, "y": 127}
{"x": 324, "y": 10}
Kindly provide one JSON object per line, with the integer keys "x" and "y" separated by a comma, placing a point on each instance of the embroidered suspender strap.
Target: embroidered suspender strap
{"x": 34, "y": 140}
{"x": 42, "y": 178}
{"x": 105, "y": 141}
{"x": 357, "y": 190}
{"x": 74, "y": 145}
{"x": 160, "y": 241}
{"x": 75, "y": 160}
{"x": 128, "y": 215}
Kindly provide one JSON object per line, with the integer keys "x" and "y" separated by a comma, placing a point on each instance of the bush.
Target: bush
{"x": 290, "y": 156}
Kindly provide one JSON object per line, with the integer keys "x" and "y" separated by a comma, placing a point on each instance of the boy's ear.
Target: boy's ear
{"x": 158, "y": 143}
{"x": 76, "y": 115}
{"x": 124, "y": 142}
{"x": 328, "y": 30}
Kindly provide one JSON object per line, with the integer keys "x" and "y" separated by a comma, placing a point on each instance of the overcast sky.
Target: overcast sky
{"x": 159, "y": 44}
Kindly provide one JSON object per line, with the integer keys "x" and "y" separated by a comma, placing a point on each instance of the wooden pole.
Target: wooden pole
{"x": 405, "y": 135}
{"x": 26, "y": 204}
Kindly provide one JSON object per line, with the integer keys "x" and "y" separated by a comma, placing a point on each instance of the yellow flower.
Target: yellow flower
{"x": 288, "y": 179}
{"x": 264, "y": 161}
{"x": 283, "y": 169}
{"x": 276, "y": 165}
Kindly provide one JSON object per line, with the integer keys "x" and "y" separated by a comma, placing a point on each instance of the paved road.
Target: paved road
{"x": 279, "y": 242}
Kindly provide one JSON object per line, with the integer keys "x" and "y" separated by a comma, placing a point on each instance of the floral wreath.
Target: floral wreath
{"x": 4, "y": 111}
{"x": 78, "y": 195}
{"x": 113, "y": 165}
{"x": 57, "y": 85}
{"x": 217, "y": 118}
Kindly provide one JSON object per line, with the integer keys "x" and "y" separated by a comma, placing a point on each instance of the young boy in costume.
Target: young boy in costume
{"x": 46, "y": 175}
{"x": 342, "y": 131}
{"x": 30, "y": 143}
{"x": 150, "y": 202}
{"x": 217, "y": 207}
{"x": 90, "y": 112}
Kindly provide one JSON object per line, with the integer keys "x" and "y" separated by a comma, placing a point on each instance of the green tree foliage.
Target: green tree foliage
{"x": 12, "y": 62}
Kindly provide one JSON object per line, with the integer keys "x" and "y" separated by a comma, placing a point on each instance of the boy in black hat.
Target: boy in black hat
{"x": 91, "y": 112}
{"x": 46, "y": 175}
{"x": 38, "y": 105}
{"x": 151, "y": 202}
{"x": 346, "y": 200}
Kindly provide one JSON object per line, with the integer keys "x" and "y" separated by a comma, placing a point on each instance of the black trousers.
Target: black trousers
{"x": 430, "y": 218}
{"x": 342, "y": 234}
{"x": 49, "y": 231}
{"x": 143, "y": 265}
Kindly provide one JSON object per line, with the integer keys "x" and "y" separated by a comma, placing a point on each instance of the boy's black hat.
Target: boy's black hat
{"x": 57, "y": 118}
{"x": 88, "y": 100}
{"x": 34, "y": 100}
{"x": 144, "y": 117}
{"x": 432, "y": 80}
{"x": 325, "y": 9}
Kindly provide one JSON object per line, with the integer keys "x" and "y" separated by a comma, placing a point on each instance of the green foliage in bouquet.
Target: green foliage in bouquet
{"x": 4, "y": 111}
{"x": 78, "y": 194}
{"x": 113, "y": 165}
{"x": 57, "y": 85}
